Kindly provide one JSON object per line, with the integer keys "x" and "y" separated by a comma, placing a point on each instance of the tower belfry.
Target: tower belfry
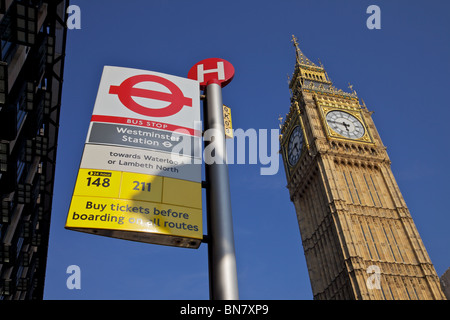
{"x": 358, "y": 236}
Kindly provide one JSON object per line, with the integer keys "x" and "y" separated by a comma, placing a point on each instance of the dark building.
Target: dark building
{"x": 33, "y": 36}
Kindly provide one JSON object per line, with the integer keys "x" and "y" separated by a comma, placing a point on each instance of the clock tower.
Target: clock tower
{"x": 358, "y": 236}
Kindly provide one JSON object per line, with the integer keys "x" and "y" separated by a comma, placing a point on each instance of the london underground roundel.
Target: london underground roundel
{"x": 126, "y": 91}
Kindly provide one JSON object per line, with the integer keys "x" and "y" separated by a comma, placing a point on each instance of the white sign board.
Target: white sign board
{"x": 131, "y": 184}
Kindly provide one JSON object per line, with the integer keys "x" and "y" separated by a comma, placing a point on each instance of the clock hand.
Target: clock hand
{"x": 345, "y": 125}
{"x": 341, "y": 123}
{"x": 336, "y": 122}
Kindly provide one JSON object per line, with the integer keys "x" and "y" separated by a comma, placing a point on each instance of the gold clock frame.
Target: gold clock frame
{"x": 291, "y": 130}
{"x": 295, "y": 123}
{"x": 366, "y": 138}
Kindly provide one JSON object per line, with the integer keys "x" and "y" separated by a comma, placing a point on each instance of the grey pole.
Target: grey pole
{"x": 221, "y": 253}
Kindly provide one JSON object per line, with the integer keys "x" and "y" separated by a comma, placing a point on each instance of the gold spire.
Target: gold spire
{"x": 301, "y": 58}
{"x": 350, "y": 86}
{"x": 280, "y": 118}
{"x": 297, "y": 49}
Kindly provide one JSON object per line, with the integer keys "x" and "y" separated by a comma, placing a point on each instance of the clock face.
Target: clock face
{"x": 345, "y": 124}
{"x": 295, "y": 145}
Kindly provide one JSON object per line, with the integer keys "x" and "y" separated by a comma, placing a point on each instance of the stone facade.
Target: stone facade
{"x": 445, "y": 283}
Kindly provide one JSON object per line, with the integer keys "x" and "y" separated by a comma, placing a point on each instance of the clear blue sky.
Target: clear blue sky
{"x": 401, "y": 71}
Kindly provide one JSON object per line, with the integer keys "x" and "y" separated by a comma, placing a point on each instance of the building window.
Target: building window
{"x": 376, "y": 191}
{"x": 8, "y": 47}
{"x": 365, "y": 239}
{"x": 368, "y": 188}
{"x": 356, "y": 190}
{"x": 21, "y": 164}
{"x": 389, "y": 243}
{"x": 396, "y": 244}
{"x": 348, "y": 187}
{"x": 390, "y": 291}
{"x": 373, "y": 240}
{"x": 19, "y": 246}
{"x": 20, "y": 115}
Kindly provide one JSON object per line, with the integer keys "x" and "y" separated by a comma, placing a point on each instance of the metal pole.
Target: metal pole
{"x": 221, "y": 253}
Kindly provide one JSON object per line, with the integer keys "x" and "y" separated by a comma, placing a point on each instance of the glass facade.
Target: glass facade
{"x": 33, "y": 36}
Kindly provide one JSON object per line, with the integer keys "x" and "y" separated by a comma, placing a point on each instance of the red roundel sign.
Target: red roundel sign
{"x": 126, "y": 90}
{"x": 212, "y": 70}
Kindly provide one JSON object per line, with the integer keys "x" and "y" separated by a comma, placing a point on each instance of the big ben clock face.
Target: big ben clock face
{"x": 345, "y": 124}
{"x": 295, "y": 145}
